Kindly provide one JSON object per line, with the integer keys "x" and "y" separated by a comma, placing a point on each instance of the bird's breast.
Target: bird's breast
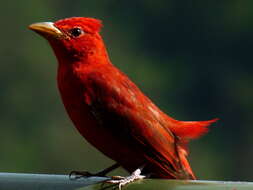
{"x": 72, "y": 92}
{"x": 76, "y": 101}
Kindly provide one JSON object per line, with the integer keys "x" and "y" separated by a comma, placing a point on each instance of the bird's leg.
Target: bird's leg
{"x": 80, "y": 174}
{"x": 122, "y": 181}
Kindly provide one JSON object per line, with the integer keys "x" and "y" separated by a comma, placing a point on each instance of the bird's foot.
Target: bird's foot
{"x": 84, "y": 174}
{"x": 122, "y": 181}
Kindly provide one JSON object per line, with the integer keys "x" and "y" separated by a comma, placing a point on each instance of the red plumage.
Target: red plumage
{"x": 111, "y": 112}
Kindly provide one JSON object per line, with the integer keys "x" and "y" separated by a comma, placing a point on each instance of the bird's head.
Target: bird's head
{"x": 73, "y": 38}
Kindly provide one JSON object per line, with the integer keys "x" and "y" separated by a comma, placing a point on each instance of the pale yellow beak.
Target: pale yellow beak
{"x": 46, "y": 29}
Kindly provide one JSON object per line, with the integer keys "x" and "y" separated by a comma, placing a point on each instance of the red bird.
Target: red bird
{"x": 110, "y": 111}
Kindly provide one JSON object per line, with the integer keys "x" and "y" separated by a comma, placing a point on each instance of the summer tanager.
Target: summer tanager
{"x": 109, "y": 110}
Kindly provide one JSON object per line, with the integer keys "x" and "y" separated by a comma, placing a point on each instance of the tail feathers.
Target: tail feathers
{"x": 185, "y": 164}
{"x": 187, "y": 130}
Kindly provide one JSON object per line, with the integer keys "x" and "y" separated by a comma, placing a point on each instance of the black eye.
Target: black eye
{"x": 75, "y": 32}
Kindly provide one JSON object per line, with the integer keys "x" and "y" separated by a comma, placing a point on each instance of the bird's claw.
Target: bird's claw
{"x": 84, "y": 174}
{"x": 122, "y": 181}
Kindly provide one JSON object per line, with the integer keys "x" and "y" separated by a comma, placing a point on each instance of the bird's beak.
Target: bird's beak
{"x": 46, "y": 29}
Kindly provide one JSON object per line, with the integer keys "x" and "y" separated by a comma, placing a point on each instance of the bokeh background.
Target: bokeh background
{"x": 192, "y": 58}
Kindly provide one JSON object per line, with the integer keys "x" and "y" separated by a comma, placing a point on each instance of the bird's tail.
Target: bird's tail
{"x": 187, "y": 130}
{"x": 186, "y": 168}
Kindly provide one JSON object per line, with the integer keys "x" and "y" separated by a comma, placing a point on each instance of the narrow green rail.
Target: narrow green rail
{"x": 20, "y": 181}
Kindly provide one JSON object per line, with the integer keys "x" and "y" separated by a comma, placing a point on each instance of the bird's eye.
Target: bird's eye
{"x": 75, "y": 32}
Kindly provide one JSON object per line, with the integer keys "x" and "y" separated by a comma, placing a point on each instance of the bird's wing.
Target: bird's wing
{"x": 120, "y": 105}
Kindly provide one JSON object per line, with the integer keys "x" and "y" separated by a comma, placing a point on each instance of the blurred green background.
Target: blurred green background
{"x": 192, "y": 58}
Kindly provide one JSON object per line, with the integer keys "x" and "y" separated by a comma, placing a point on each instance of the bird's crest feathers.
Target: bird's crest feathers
{"x": 90, "y": 25}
